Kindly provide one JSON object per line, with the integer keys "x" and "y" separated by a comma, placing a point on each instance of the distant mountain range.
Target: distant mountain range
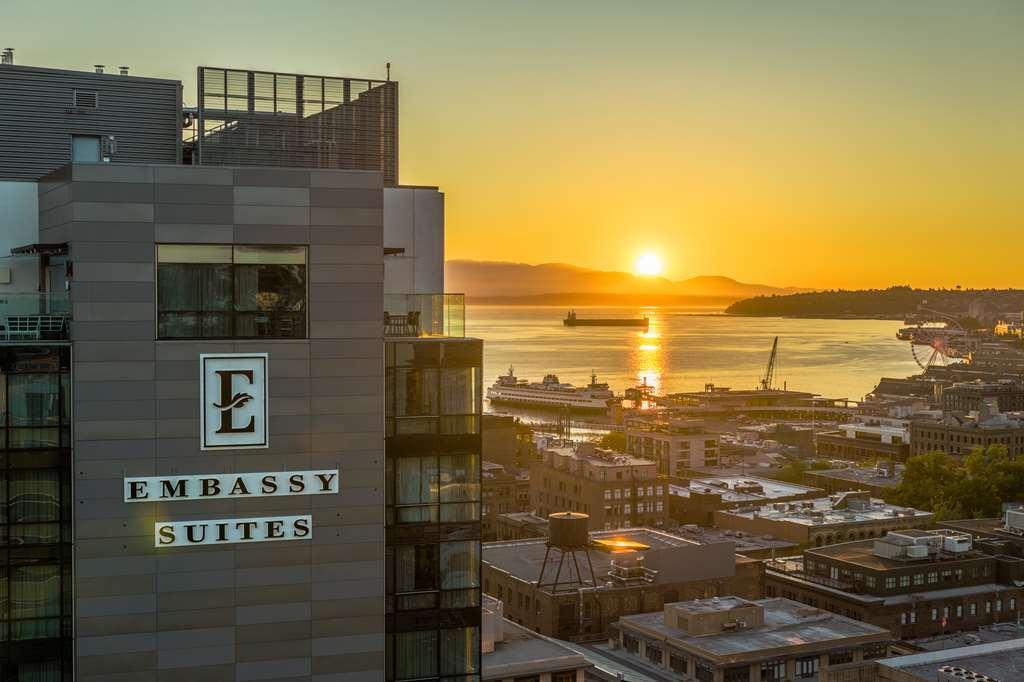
{"x": 560, "y": 283}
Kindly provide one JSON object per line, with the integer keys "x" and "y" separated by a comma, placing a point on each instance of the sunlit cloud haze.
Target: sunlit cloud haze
{"x": 791, "y": 143}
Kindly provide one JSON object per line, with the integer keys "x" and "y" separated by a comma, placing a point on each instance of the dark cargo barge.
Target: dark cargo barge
{"x": 572, "y": 321}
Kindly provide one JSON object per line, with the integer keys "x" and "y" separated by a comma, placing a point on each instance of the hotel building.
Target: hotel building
{"x": 206, "y": 347}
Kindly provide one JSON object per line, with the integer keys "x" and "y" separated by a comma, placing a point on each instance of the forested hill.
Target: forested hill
{"x": 895, "y": 302}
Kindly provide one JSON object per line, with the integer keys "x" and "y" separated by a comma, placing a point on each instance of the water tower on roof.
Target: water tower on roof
{"x": 569, "y": 537}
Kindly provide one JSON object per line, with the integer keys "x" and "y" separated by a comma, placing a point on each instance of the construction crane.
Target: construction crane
{"x": 769, "y": 372}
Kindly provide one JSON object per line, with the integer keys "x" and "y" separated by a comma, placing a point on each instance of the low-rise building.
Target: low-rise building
{"x": 616, "y": 490}
{"x": 635, "y": 570}
{"x": 521, "y": 526}
{"x": 988, "y": 662}
{"x": 915, "y": 583}
{"x": 677, "y": 445}
{"x": 870, "y": 439}
{"x": 504, "y": 490}
{"x": 958, "y": 435}
{"x": 695, "y": 500}
{"x": 971, "y": 396}
{"x": 1003, "y": 535}
{"x": 876, "y": 480}
{"x": 511, "y": 653}
{"x": 840, "y": 517}
{"x": 747, "y": 544}
{"x": 731, "y": 639}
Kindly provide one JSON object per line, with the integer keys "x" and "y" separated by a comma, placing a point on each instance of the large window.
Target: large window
{"x": 35, "y": 514}
{"x": 224, "y": 291}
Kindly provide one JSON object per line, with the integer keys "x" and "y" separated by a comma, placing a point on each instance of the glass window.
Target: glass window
{"x": 35, "y": 601}
{"x": 415, "y": 655}
{"x": 460, "y": 564}
{"x": 460, "y": 478}
{"x": 460, "y": 650}
{"x": 416, "y": 567}
{"x": 220, "y": 291}
{"x": 807, "y": 667}
{"x": 85, "y": 149}
{"x": 416, "y": 480}
{"x": 773, "y": 671}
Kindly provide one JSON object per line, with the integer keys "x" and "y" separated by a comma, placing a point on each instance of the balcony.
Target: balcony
{"x": 415, "y": 315}
{"x": 35, "y": 317}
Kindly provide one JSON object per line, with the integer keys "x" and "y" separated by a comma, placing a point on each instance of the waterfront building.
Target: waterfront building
{"x": 635, "y": 570}
{"x": 512, "y": 653}
{"x": 971, "y": 396}
{"x": 182, "y": 340}
{"x": 695, "y": 500}
{"x": 958, "y": 435}
{"x": 915, "y": 583}
{"x": 615, "y": 489}
{"x": 719, "y": 401}
{"x": 841, "y": 517}
{"x": 677, "y": 445}
{"x": 732, "y": 639}
{"x": 866, "y": 440}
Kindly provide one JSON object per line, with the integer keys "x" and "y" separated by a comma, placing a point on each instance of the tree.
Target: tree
{"x": 975, "y": 488}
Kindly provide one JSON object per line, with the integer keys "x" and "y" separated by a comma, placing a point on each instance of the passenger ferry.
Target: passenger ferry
{"x": 550, "y": 393}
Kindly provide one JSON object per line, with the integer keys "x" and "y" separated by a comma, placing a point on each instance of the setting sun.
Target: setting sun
{"x": 648, "y": 265}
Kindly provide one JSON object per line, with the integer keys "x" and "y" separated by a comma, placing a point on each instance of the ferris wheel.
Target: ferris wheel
{"x": 936, "y": 346}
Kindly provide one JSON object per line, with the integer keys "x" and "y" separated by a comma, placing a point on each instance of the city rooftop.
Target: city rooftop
{"x": 743, "y": 488}
{"x": 836, "y": 509}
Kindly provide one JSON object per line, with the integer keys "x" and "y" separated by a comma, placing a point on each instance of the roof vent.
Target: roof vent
{"x": 123, "y": 70}
{"x": 86, "y": 99}
{"x": 7, "y": 56}
{"x": 98, "y": 67}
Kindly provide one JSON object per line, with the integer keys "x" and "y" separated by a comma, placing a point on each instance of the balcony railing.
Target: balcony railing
{"x": 412, "y": 315}
{"x": 35, "y": 316}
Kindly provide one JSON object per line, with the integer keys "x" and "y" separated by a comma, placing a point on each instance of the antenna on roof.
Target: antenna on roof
{"x": 388, "y": 67}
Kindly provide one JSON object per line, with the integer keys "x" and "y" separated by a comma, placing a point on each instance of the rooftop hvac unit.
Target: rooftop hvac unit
{"x": 956, "y": 544}
{"x": 1015, "y": 521}
{"x": 917, "y": 552}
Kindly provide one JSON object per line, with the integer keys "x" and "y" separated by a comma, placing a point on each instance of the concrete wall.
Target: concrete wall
{"x": 19, "y": 225}
{"x": 295, "y": 610}
{"x": 414, "y": 220}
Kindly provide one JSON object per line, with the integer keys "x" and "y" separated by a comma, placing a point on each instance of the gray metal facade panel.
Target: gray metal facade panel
{"x": 37, "y": 108}
{"x": 266, "y": 606}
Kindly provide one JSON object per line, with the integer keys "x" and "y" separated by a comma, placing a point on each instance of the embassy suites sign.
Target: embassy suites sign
{"x": 233, "y": 414}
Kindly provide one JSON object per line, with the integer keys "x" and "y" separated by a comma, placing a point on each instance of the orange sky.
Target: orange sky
{"x": 823, "y": 144}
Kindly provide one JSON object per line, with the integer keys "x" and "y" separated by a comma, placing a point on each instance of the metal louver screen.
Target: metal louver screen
{"x": 258, "y": 118}
{"x": 86, "y": 100}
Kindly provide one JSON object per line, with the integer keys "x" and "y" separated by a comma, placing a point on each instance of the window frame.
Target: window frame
{"x": 235, "y": 311}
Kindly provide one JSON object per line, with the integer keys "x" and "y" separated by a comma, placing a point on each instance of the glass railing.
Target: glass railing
{"x": 424, "y": 315}
{"x": 35, "y": 316}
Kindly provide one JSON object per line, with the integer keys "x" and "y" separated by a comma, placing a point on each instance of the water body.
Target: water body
{"x": 684, "y": 350}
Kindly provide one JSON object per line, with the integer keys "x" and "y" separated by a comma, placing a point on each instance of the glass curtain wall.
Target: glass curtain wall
{"x": 35, "y": 514}
{"x": 432, "y": 453}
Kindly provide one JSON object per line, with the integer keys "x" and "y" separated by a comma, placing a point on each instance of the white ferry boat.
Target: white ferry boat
{"x": 550, "y": 393}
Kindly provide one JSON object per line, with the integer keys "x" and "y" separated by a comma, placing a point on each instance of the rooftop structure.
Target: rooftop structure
{"x": 755, "y": 546}
{"x": 510, "y": 651}
{"x": 636, "y": 568}
{"x": 988, "y": 662}
{"x": 841, "y": 516}
{"x": 744, "y": 489}
{"x": 735, "y": 638}
{"x": 970, "y": 396}
{"x": 872, "y": 438}
{"x": 771, "y": 403}
{"x": 875, "y": 480}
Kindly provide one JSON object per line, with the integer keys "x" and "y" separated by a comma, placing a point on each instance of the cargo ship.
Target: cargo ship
{"x": 550, "y": 393}
{"x": 572, "y": 321}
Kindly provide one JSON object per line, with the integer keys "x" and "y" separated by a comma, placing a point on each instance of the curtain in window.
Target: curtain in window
{"x": 34, "y": 399}
{"x": 416, "y": 480}
{"x": 460, "y": 564}
{"x": 416, "y": 568}
{"x": 459, "y": 649}
{"x": 35, "y": 599}
{"x": 460, "y": 478}
{"x": 415, "y": 654}
{"x": 415, "y": 392}
{"x": 49, "y": 671}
